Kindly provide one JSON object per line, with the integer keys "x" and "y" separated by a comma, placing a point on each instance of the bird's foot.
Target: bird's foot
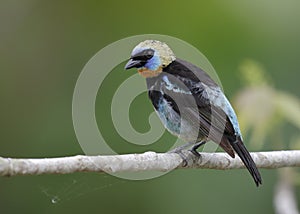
{"x": 182, "y": 154}
{"x": 195, "y": 152}
{"x": 186, "y": 158}
{"x": 195, "y": 147}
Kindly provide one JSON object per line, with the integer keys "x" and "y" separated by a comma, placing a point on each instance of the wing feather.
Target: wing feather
{"x": 189, "y": 98}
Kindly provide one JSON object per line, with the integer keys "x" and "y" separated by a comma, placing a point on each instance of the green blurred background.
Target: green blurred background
{"x": 45, "y": 44}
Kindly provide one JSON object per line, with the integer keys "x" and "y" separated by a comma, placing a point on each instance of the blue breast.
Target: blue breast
{"x": 168, "y": 116}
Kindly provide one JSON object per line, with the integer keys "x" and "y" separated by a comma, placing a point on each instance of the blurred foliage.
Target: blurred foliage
{"x": 264, "y": 110}
{"x": 253, "y": 73}
{"x": 45, "y": 44}
{"x": 264, "y": 113}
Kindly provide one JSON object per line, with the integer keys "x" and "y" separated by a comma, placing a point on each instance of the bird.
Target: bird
{"x": 188, "y": 101}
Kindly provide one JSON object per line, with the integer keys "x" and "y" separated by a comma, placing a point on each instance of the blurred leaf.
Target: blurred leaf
{"x": 289, "y": 107}
{"x": 256, "y": 112}
{"x": 262, "y": 108}
{"x": 253, "y": 73}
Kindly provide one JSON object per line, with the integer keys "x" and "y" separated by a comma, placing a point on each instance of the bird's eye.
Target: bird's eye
{"x": 149, "y": 54}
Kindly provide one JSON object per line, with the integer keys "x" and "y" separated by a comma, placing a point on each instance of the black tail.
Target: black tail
{"x": 243, "y": 153}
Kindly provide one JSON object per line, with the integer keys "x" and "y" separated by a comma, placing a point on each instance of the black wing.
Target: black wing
{"x": 214, "y": 123}
{"x": 183, "y": 84}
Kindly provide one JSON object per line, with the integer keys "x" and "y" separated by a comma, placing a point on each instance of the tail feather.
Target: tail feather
{"x": 227, "y": 147}
{"x": 245, "y": 156}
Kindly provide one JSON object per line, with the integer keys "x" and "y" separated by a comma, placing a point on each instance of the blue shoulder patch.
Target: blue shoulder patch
{"x": 218, "y": 99}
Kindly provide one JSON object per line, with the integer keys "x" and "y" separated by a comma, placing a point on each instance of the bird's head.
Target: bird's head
{"x": 150, "y": 57}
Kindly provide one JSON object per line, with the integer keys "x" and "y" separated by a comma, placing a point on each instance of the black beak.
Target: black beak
{"x": 134, "y": 64}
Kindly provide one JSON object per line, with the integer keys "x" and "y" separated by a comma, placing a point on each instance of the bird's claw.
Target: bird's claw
{"x": 195, "y": 152}
{"x": 186, "y": 158}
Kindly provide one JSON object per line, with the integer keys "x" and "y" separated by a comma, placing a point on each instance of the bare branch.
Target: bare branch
{"x": 142, "y": 162}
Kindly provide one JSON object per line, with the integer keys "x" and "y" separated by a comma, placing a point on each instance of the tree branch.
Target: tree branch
{"x": 142, "y": 162}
